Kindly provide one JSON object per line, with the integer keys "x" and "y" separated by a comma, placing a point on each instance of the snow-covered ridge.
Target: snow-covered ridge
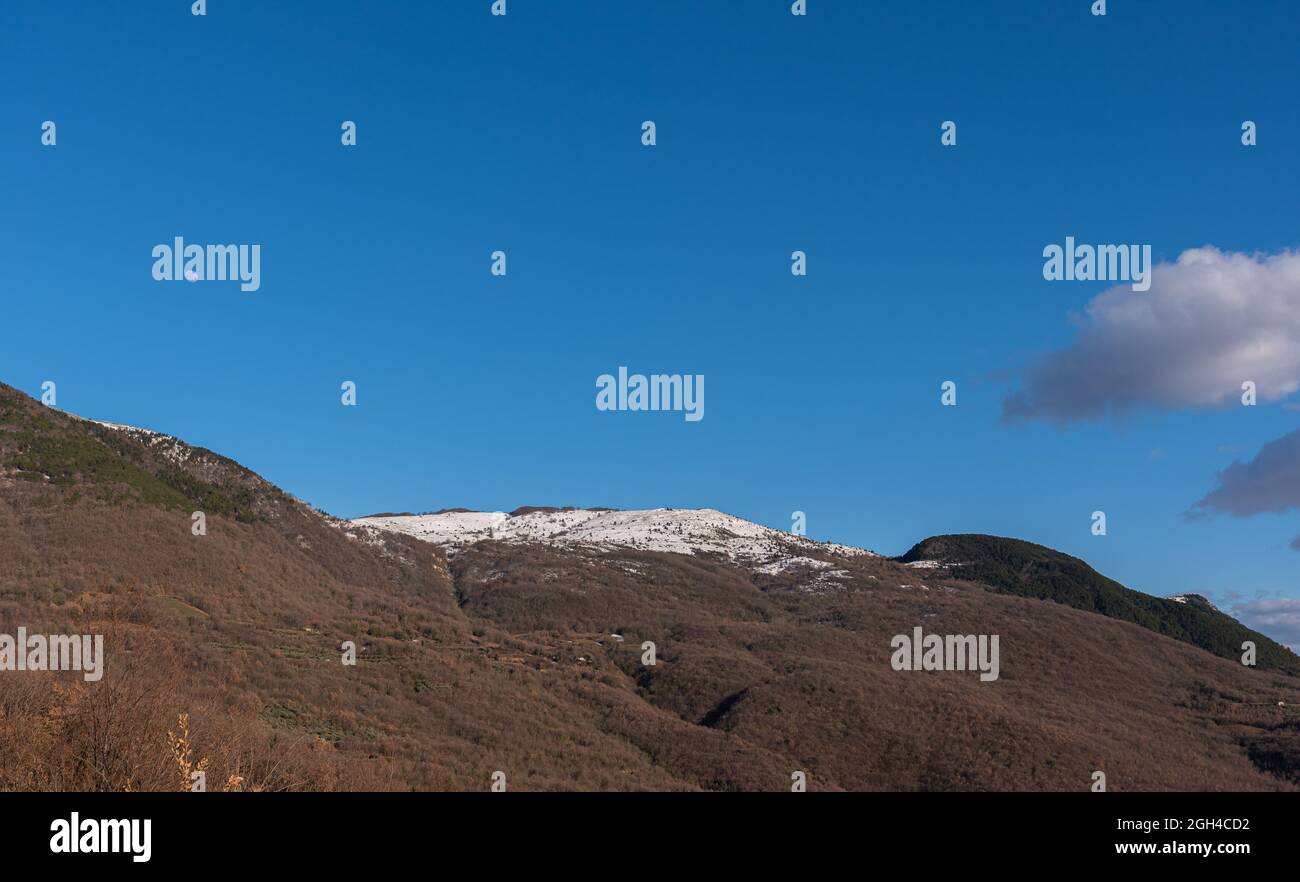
{"x": 675, "y": 530}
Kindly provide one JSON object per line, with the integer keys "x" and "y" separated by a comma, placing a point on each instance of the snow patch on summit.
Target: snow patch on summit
{"x": 673, "y": 530}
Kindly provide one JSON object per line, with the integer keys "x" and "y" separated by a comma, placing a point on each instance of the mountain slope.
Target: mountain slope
{"x": 525, "y": 657}
{"x": 1030, "y": 570}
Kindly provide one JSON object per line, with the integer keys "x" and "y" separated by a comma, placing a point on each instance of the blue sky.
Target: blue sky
{"x": 775, "y": 133}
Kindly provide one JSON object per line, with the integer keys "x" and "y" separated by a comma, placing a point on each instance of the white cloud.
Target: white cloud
{"x": 1211, "y": 321}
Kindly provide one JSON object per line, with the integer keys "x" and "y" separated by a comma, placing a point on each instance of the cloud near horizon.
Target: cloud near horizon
{"x": 1279, "y": 619}
{"x": 1211, "y": 321}
{"x": 1268, "y": 483}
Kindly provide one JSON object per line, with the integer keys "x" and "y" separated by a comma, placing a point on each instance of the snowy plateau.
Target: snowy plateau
{"x": 702, "y": 531}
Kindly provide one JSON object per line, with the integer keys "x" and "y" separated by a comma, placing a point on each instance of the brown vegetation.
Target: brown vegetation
{"x": 222, "y": 655}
